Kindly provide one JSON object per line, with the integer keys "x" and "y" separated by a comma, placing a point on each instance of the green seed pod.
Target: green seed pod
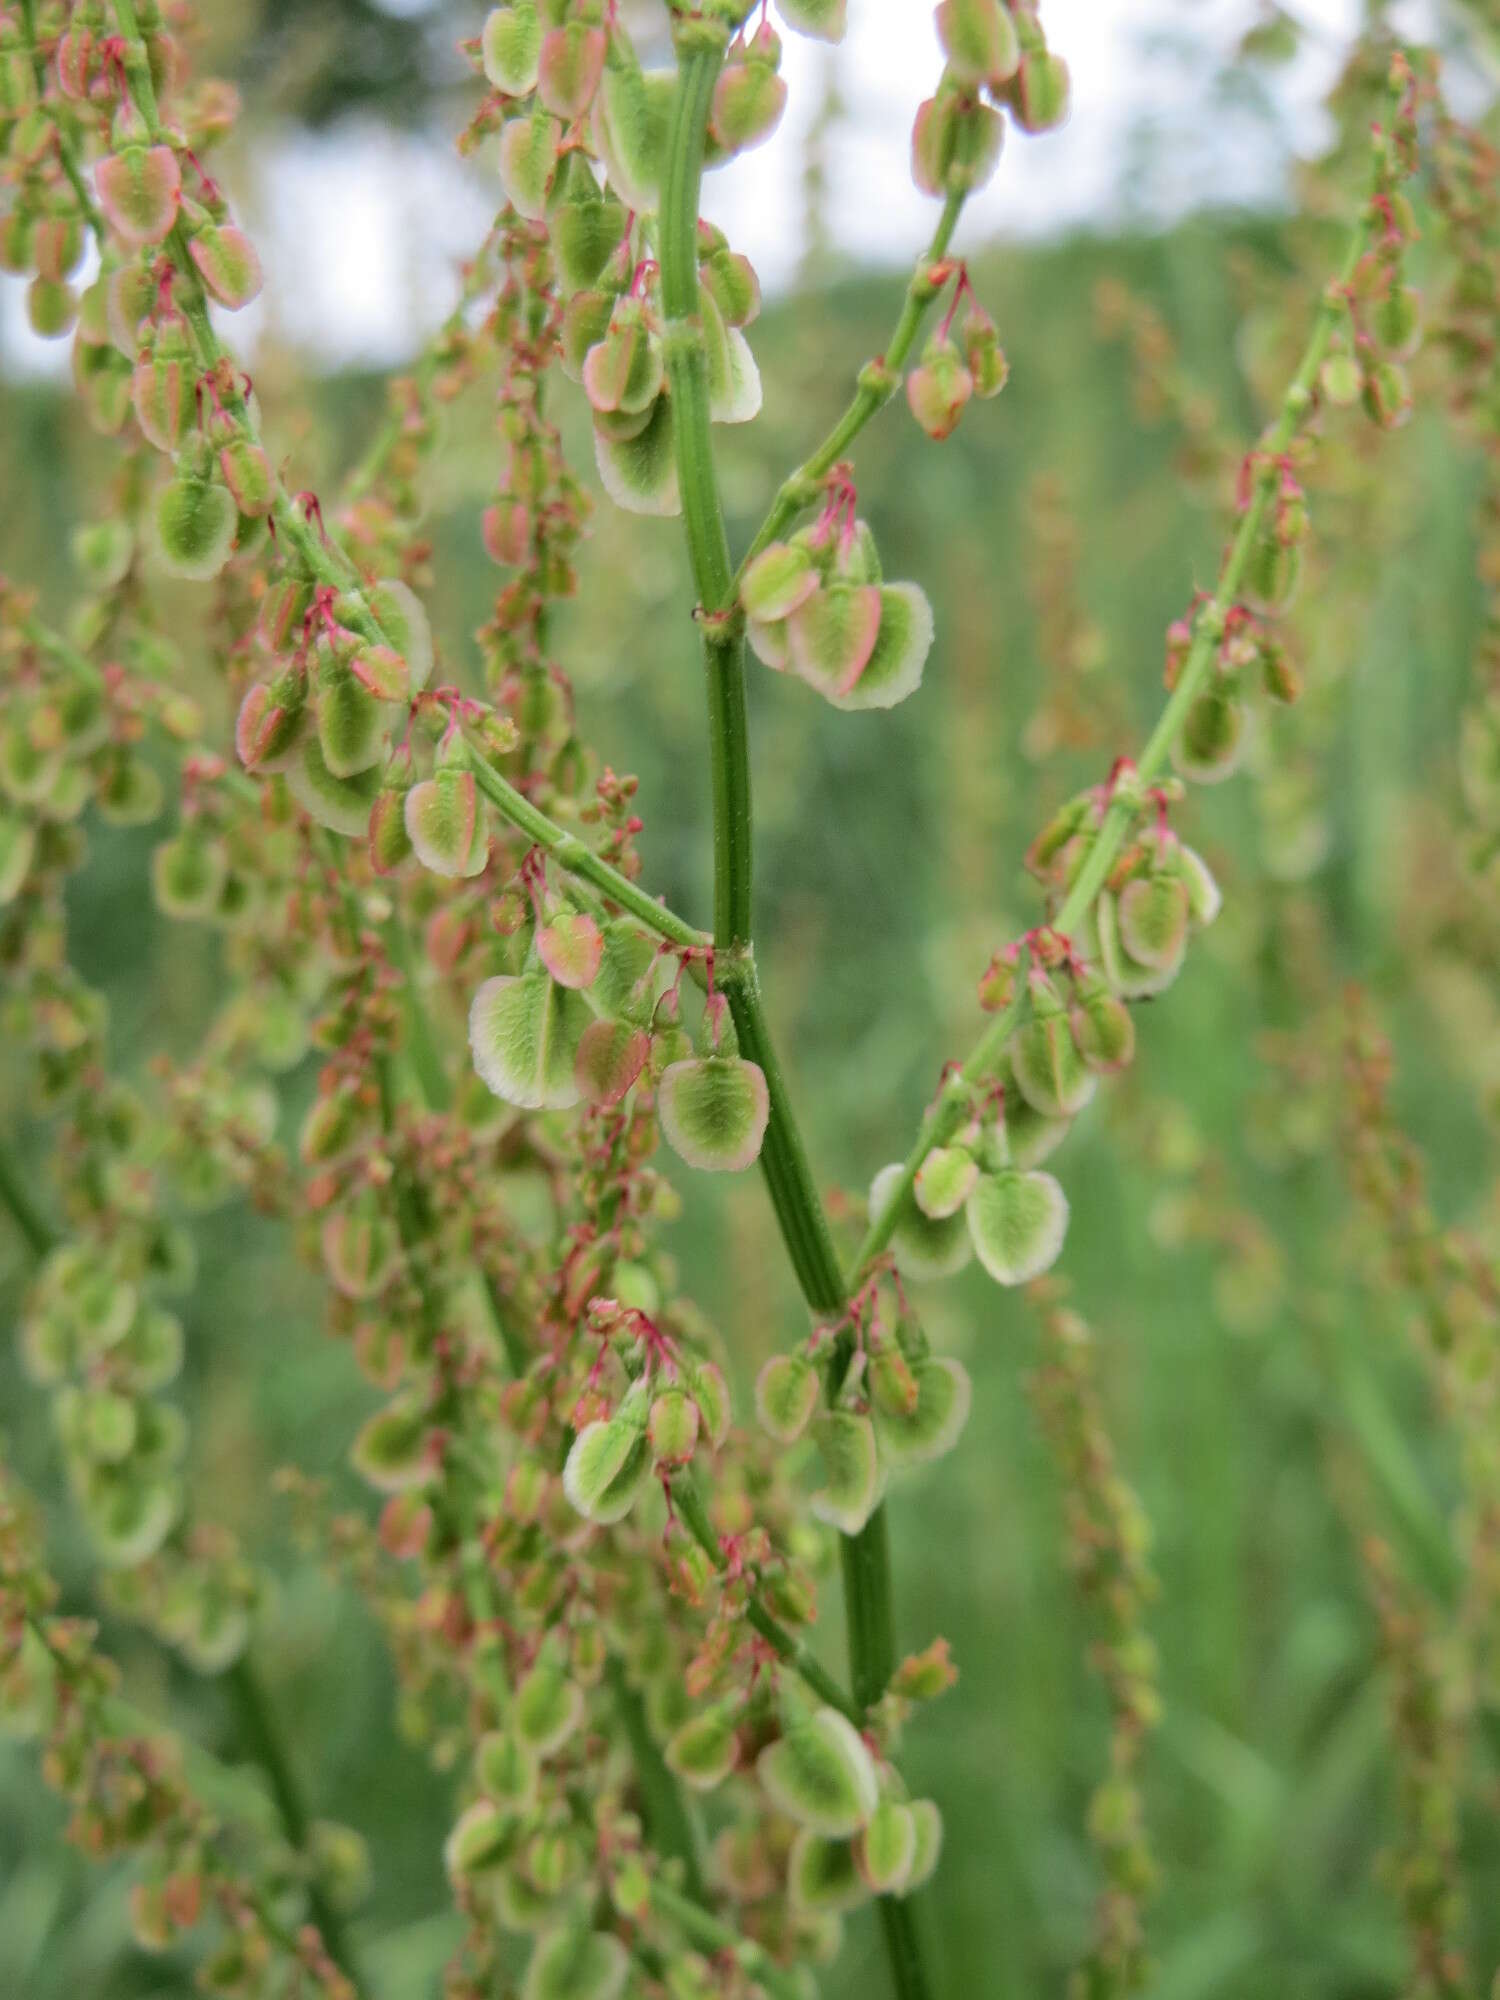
{"x": 640, "y": 472}
{"x": 51, "y": 307}
{"x": 187, "y": 875}
{"x": 749, "y": 96}
{"x": 1017, "y": 1222}
{"x": 478, "y": 1842}
{"x": 524, "y": 1033}
{"x": 938, "y": 390}
{"x": 714, "y": 1112}
{"x": 506, "y": 1770}
{"x": 979, "y": 40}
{"x": 511, "y": 48}
{"x": 247, "y": 473}
{"x": 933, "y": 1425}
{"x": 924, "y": 1248}
{"x": 710, "y": 1393}
{"x": 822, "y": 1877}
{"x": 577, "y": 1964}
{"x": 944, "y": 1181}
{"x": 632, "y": 115}
{"x": 196, "y": 522}
{"x": 1212, "y": 739}
{"x": 704, "y": 1749}
{"x": 1152, "y": 914}
{"x": 786, "y": 1394}
{"x": 672, "y": 1428}
{"x": 608, "y": 1468}
{"x": 528, "y": 157}
{"x": 824, "y": 20}
{"x": 1040, "y": 93}
{"x": 885, "y": 1849}
{"x": 391, "y": 1450}
{"x": 548, "y": 1706}
{"x": 1102, "y": 1028}
{"x": 821, "y": 1775}
{"x": 730, "y": 281}
{"x": 851, "y": 1467}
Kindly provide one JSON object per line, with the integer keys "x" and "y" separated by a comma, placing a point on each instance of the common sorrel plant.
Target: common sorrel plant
{"x": 607, "y": 1593}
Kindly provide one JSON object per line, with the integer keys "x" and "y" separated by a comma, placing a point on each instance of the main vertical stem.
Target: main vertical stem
{"x": 784, "y": 1162}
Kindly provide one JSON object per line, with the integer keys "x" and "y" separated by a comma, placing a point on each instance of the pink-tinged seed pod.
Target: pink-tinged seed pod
{"x": 57, "y": 247}
{"x": 983, "y": 353}
{"x": 939, "y": 389}
{"x": 933, "y": 138}
{"x": 506, "y": 528}
{"x": 163, "y": 389}
{"x": 569, "y": 69}
{"x": 139, "y": 190}
{"x": 749, "y": 98}
{"x": 248, "y": 475}
{"x": 129, "y": 291}
{"x": 389, "y": 841}
{"x": 75, "y": 62}
{"x": 227, "y": 263}
{"x": 16, "y": 230}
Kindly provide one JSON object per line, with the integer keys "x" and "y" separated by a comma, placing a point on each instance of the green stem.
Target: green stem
{"x": 784, "y": 1161}
{"x": 954, "y": 1100}
{"x": 257, "y": 1724}
{"x": 877, "y": 384}
{"x": 668, "y": 1824}
{"x": 692, "y": 1513}
{"x": 575, "y": 858}
{"x": 714, "y": 1936}
{"x": 701, "y": 56}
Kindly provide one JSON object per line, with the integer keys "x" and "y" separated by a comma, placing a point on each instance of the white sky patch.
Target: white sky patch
{"x": 361, "y": 228}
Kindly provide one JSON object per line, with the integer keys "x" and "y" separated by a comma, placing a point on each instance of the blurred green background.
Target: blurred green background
{"x": 888, "y": 872}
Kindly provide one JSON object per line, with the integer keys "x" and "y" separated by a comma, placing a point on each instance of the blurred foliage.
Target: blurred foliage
{"x": 890, "y": 870}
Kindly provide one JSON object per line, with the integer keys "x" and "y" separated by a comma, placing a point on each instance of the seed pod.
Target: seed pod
{"x": 1017, "y": 1222}
{"x": 938, "y": 390}
{"x": 714, "y": 1112}
{"x": 631, "y": 118}
{"x": 477, "y": 1842}
{"x": 351, "y": 724}
{"x": 1040, "y": 92}
{"x": 528, "y": 157}
{"x": 730, "y": 280}
{"x": 608, "y": 1467}
{"x": 524, "y": 1034}
{"x": 1049, "y": 1072}
{"x": 227, "y": 263}
{"x": 885, "y": 1849}
{"x": 944, "y": 1181}
{"x": 444, "y": 823}
{"x": 247, "y": 473}
{"x": 196, "y": 522}
{"x": 825, "y": 20}
{"x": 586, "y": 232}
{"x": 786, "y": 1394}
{"x": 934, "y": 1423}
{"x": 575, "y": 1963}
{"x": 749, "y": 96}
{"x": 139, "y": 190}
{"x": 924, "y": 1248}
{"x": 821, "y": 1877}
{"x": 569, "y": 68}
{"x": 1102, "y": 1028}
{"x": 781, "y": 578}
{"x": 1387, "y": 395}
{"x": 391, "y": 1450}
{"x": 51, "y": 307}
{"x": 389, "y": 842}
{"x": 987, "y": 365}
{"x": 672, "y": 1428}
{"x": 1153, "y": 914}
{"x": 163, "y": 387}
{"x": 548, "y": 1705}
{"x": 852, "y": 1478}
{"x": 270, "y": 721}
{"x": 610, "y": 1058}
{"x": 57, "y": 247}
{"x": 571, "y": 948}
{"x": 1212, "y": 738}
{"x": 705, "y": 1749}
{"x": 511, "y": 48}
{"x": 639, "y": 472}
{"x": 821, "y": 1775}
{"x": 979, "y": 40}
